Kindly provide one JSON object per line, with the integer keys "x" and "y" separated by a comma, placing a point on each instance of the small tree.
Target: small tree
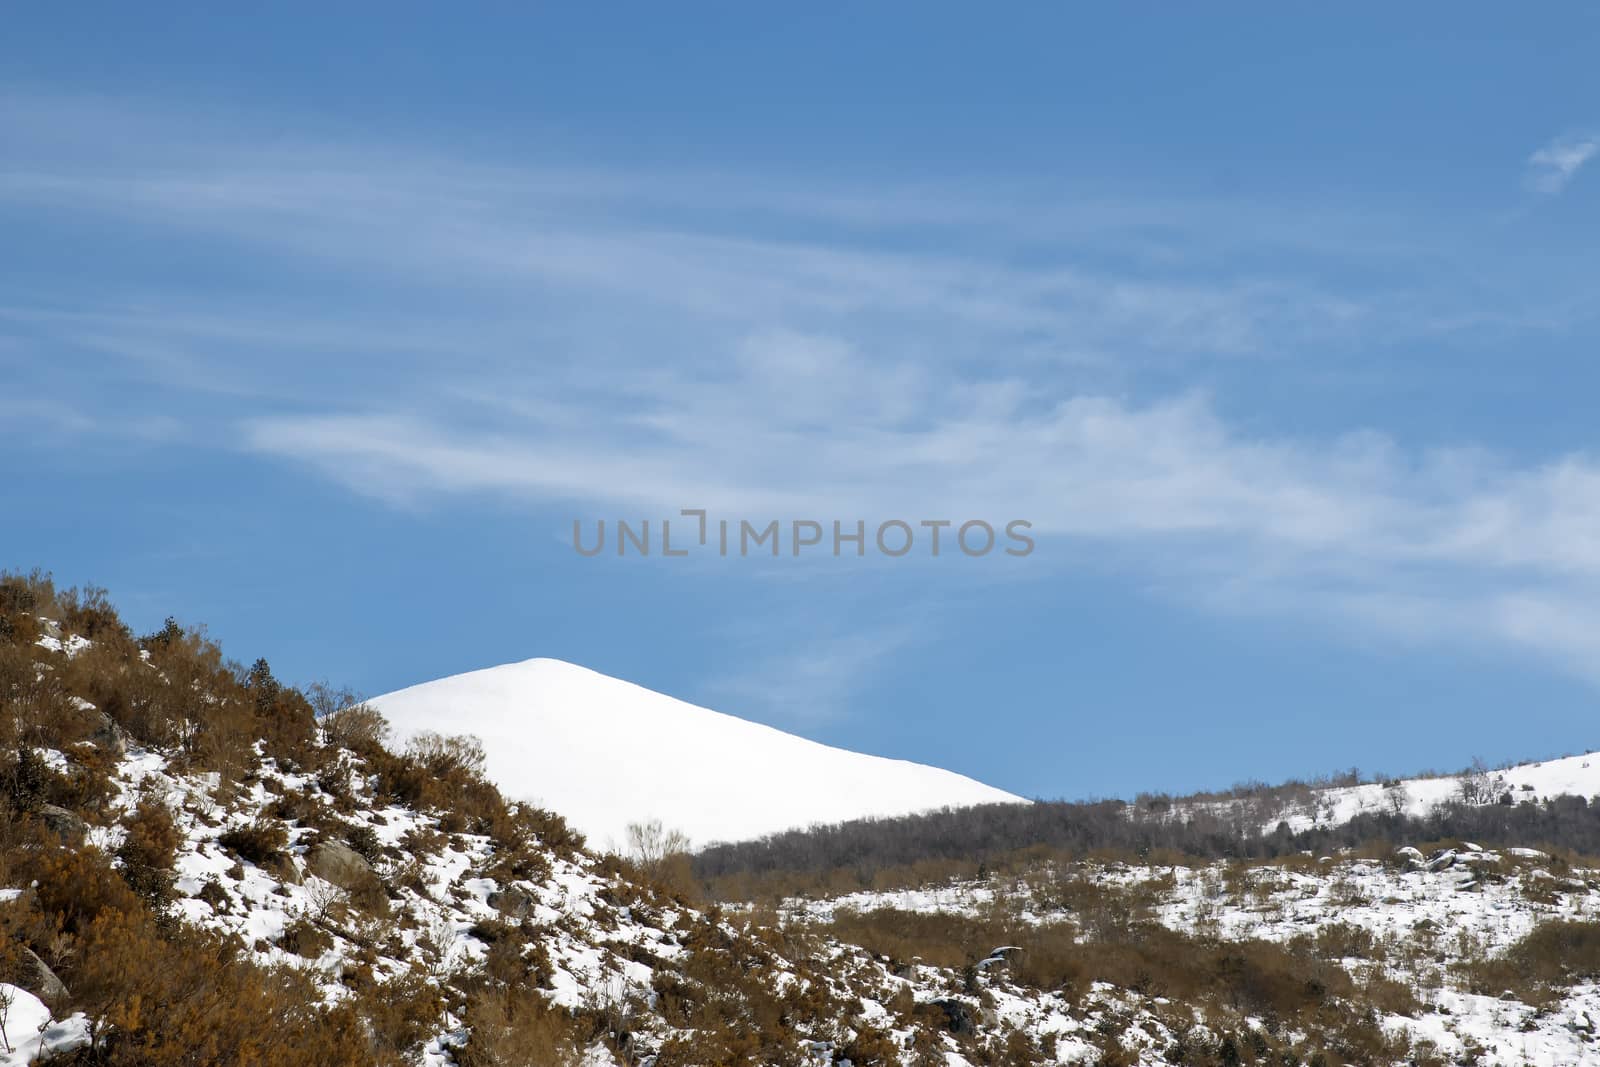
{"x": 1398, "y": 798}
{"x": 8, "y": 997}
{"x": 650, "y": 844}
{"x": 262, "y": 685}
{"x": 444, "y": 755}
{"x": 348, "y": 722}
{"x": 1476, "y": 786}
{"x": 169, "y": 634}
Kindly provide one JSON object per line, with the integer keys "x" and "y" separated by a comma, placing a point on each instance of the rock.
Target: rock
{"x": 959, "y": 1016}
{"x": 36, "y": 977}
{"x": 108, "y": 737}
{"x": 1411, "y": 859}
{"x": 283, "y": 867}
{"x": 63, "y": 823}
{"x": 512, "y": 902}
{"x": 1442, "y": 861}
{"x": 1003, "y": 954}
{"x": 339, "y": 864}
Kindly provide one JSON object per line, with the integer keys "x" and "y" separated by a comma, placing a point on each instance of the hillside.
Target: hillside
{"x": 1333, "y": 805}
{"x": 200, "y": 865}
{"x": 605, "y": 753}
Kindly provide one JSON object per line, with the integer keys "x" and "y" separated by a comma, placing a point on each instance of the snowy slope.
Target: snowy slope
{"x": 604, "y": 753}
{"x": 1575, "y": 775}
{"x": 1569, "y": 775}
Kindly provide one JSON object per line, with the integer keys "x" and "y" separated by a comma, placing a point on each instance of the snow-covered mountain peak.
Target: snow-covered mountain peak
{"x": 603, "y": 753}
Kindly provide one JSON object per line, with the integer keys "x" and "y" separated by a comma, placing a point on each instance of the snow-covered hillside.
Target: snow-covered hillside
{"x": 605, "y": 753}
{"x": 1330, "y": 806}
{"x": 227, "y": 879}
{"x": 1399, "y": 919}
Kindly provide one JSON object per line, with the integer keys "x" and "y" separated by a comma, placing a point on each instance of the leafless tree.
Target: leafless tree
{"x": 8, "y": 997}
{"x": 1476, "y": 788}
{"x": 650, "y": 844}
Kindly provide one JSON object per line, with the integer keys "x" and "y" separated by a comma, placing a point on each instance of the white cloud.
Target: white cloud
{"x": 637, "y": 343}
{"x": 1461, "y": 544}
{"x": 1557, "y": 163}
{"x": 804, "y": 679}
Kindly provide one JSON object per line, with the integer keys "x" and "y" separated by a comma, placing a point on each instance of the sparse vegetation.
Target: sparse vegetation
{"x": 1552, "y": 958}
{"x": 437, "y": 931}
{"x": 974, "y": 842}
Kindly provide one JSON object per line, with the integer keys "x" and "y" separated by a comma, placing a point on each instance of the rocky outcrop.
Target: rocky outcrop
{"x": 512, "y": 902}
{"x": 341, "y": 865}
{"x": 34, "y": 975}
{"x": 63, "y": 823}
{"x": 109, "y": 738}
{"x": 284, "y": 868}
{"x": 958, "y": 1017}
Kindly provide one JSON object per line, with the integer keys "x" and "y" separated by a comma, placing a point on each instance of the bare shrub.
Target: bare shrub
{"x": 649, "y": 843}
{"x": 261, "y": 841}
{"x": 445, "y": 755}
{"x": 514, "y": 1027}
{"x": 359, "y": 727}
{"x": 1553, "y": 957}
{"x": 149, "y": 847}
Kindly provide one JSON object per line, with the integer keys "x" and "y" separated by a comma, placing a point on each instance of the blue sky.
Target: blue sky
{"x": 322, "y": 326}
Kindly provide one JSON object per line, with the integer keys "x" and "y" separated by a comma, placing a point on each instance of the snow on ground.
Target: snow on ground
{"x": 445, "y": 902}
{"x": 1330, "y": 806}
{"x": 439, "y": 900}
{"x": 1420, "y": 914}
{"x": 30, "y": 1032}
{"x": 1437, "y": 907}
{"x": 1418, "y": 919}
{"x": 562, "y": 736}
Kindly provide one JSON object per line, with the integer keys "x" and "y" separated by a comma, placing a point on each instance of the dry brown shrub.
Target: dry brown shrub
{"x": 261, "y": 841}
{"x": 400, "y": 1014}
{"x": 191, "y": 1000}
{"x": 1551, "y": 958}
{"x": 360, "y": 728}
{"x": 512, "y": 1027}
{"x": 149, "y": 847}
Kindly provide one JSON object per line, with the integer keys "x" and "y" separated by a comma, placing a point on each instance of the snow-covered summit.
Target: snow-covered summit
{"x": 604, "y": 753}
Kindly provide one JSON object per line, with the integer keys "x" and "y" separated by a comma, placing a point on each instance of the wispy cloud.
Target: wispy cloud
{"x": 417, "y": 329}
{"x": 794, "y": 678}
{"x": 1552, "y": 167}
{"x": 1454, "y": 545}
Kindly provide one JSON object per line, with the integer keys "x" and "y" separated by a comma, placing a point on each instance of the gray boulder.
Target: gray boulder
{"x": 957, "y": 1016}
{"x": 283, "y": 867}
{"x": 512, "y": 902}
{"x": 63, "y": 823}
{"x": 108, "y": 737}
{"x": 340, "y": 864}
{"x": 36, "y": 976}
